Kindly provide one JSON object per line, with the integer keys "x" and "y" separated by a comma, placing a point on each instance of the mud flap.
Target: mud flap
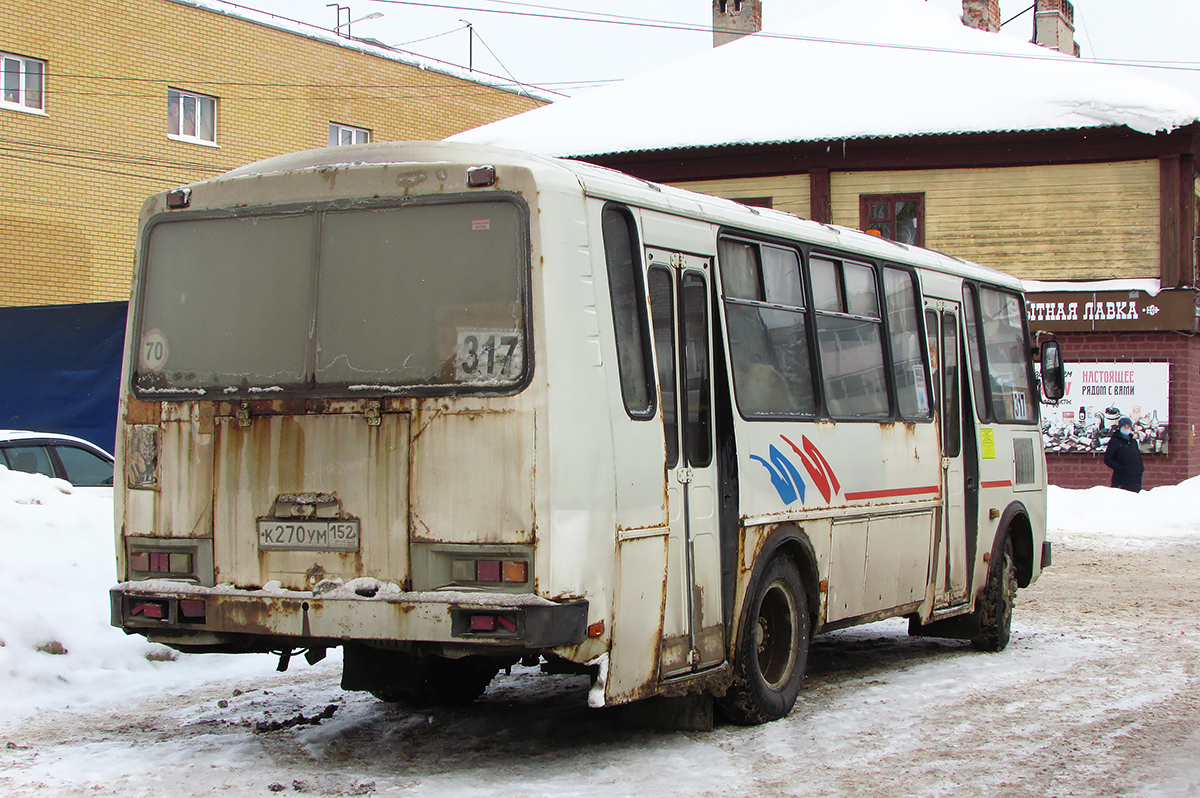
{"x": 960, "y": 627}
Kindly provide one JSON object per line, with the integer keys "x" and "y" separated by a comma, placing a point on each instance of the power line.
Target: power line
{"x": 106, "y": 156}
{"x": 427, "y": 38}
{"x": 614, "y": 19}
{"x": 87, "y": 168}
{"x": 1018, "y": 14}
{"x": 565, "y": 16}
{"x": 498, "y": 61}
{"x": 595, "y": 17}
{"x": 483, "y": 88}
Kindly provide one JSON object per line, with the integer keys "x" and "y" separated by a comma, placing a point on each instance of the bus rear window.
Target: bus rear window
{"x": 420, "y": 297}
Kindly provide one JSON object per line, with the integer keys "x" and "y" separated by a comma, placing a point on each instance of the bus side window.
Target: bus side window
{"x": 908, "y": 367}
{"x": 951, "y": 428}
{"x": 662, "y": 318}
{"x": 970, "y": 301}
{"x": 766, "y": 324}
{"x": 696, "y": 376}
{"x": 1006, "y": 344}
{"x": 622, "y": 254}
{"x": 932, "y": 335}
{"x": 849, "y": 334}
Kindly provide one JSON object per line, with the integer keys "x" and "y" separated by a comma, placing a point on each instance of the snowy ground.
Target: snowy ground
{"x": 1096, "y": 695}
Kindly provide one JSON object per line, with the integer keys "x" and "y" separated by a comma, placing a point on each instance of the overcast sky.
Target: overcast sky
{"x": 546, "y": 43}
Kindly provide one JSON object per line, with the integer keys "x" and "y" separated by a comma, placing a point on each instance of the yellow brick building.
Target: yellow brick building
{"x": 107, "y": 102}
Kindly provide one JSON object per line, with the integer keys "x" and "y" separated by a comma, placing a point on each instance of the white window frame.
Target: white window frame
{"x": 338, "y": 131}
{"x": 29, "y": 93}
{"x": 201, "y": 105}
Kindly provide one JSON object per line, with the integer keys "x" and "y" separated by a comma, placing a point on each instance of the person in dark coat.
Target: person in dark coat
{"x": 1124, "y": 457}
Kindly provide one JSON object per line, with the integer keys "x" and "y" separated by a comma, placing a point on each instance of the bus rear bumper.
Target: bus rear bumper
{"x": 203, "y": 617}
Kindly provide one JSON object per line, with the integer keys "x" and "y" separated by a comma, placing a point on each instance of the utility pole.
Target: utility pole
{"x": 470, "y": 46}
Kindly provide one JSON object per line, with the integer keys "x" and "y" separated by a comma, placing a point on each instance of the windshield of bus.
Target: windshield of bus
{"x": 418, "y": 298}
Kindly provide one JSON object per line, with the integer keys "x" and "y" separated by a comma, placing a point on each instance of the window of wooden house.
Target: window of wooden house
{"x": 896, "y": 217}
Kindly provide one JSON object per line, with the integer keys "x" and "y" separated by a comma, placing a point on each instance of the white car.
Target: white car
{"x": 83, "y": 464}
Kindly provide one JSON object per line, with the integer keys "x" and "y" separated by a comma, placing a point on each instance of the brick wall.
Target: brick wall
{"x": 1076, "y": 470}
{"x": 73, "y": 179}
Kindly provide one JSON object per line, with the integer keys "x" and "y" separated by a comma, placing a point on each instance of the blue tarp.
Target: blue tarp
{"x": 60, "y": 368}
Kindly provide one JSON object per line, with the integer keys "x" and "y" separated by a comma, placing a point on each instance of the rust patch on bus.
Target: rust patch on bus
{"x": 254, "y": 617}
{"x": 206, "y": 422}
{"x": 138, "y": 412}
{"x": 716, "y": 681}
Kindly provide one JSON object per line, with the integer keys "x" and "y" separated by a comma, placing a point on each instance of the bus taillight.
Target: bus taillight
{"x": 492, "y": 570}
{"x": 149, "y": 609}
{"x": 493, "y": 623}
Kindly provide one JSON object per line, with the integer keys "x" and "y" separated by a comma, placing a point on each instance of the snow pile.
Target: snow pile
{"x": 1109, "y": 518}
{"x": 858, "y": 69}
{"x": 56, "y": 644}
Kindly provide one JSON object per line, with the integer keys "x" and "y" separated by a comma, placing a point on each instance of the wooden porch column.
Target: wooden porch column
{"x": 1177, "y": 225}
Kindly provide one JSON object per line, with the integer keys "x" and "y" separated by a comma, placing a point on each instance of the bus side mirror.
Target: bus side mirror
{"x": 1053, "y": 372}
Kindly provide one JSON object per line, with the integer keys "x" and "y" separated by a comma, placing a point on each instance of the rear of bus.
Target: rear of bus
{"x": 329, "y": 416}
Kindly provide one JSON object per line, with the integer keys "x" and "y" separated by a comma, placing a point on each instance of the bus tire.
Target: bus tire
{"x": 996, "y": 602}
{"x": 772, "y": 647}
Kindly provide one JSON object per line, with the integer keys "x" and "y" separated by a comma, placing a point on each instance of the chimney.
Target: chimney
{"x": 733, "y": 19}
{"x": 981, "y": 14}
{"x": 1054, "y": 26}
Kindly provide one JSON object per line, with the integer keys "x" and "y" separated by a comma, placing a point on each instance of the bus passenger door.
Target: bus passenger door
{"x": 950, "y": 553}
{"x": 693, "y": 634}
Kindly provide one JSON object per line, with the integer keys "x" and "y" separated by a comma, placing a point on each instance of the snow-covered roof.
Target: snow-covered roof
{"x": 1151, "y": 285}
{"x": 298, "y": 28}
{"x": 859, "y": 69}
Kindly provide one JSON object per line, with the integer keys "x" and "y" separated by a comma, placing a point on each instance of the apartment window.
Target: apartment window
{"x": 24, "y": 82}
{"x": 896, "y": 217}
{"x": 344, "y": 134}
{"x": 191, "y": 117}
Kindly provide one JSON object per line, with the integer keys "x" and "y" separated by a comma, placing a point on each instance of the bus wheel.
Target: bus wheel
{"x": 996, "y": 603}
{"x": 772, "y": 648}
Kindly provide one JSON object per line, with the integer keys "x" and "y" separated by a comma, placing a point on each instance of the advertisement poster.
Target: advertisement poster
{"x": 1098, "y": 394}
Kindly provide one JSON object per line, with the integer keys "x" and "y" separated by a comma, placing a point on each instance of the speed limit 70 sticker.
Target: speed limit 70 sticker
{"x": 152, "y": 352}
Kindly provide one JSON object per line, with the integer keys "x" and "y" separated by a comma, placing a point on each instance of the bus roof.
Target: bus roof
{"x": 605, "y": 183}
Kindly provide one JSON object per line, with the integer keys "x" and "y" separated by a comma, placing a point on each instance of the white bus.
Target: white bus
{"x": 452, "y": 407}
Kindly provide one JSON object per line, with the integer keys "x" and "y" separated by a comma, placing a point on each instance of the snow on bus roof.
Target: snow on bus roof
{"x": 860, "y": 69}
{"x": 611, "y": 184}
